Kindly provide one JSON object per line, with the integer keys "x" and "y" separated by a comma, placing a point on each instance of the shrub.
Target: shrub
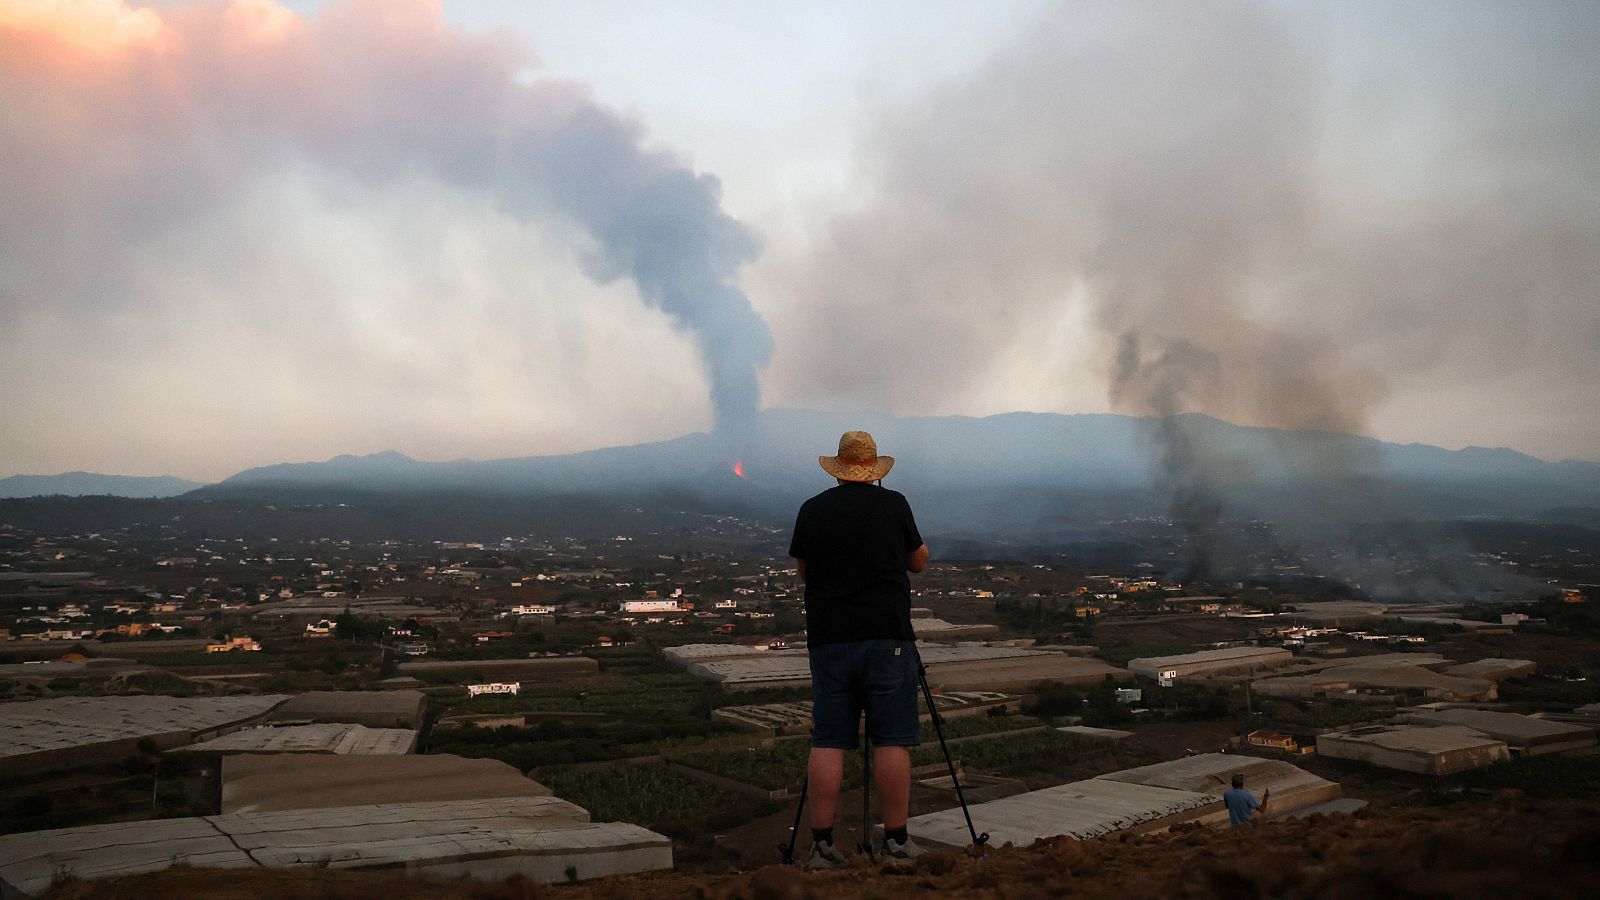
{"x": 1103, "y": 708}
{"x": 1542, "y": 776}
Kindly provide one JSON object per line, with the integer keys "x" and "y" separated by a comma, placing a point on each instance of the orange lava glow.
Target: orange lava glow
{"x": 738, "y": 467}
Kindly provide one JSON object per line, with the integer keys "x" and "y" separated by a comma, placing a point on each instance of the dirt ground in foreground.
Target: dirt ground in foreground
{"x": 1504, "y": 847}
{"x": 754, "y": 844}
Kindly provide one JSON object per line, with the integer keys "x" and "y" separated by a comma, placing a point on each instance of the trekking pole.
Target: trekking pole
{"x": 787, "y": 853}
{"x": 978, "y": 840}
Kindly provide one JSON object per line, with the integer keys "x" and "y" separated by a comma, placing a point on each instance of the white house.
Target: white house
{"x": 650, "y": 606}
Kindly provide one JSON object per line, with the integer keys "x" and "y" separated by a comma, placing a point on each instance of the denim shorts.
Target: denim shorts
{"x": 878, "y": 677}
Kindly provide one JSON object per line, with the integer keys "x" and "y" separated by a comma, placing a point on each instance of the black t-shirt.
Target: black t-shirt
{"x": 854, "y": 539}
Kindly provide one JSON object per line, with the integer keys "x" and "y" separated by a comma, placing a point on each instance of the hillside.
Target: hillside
{"x": 940, "y": 454}
{"x": 1191, "y": 495}
{"x": 1008, "y": 478}
{"x": 1509, "y": 846}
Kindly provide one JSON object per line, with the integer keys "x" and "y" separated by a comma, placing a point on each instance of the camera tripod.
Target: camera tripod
{"x": 786, "y": 853}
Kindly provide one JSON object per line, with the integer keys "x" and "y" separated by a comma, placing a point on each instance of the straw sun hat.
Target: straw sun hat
{"x": 858, "y": 459}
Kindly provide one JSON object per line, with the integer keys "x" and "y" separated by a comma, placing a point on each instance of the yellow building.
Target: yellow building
{"x": 1272, "y": 740}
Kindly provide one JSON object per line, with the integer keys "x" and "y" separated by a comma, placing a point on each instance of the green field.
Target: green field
{"x": 621, "y": 717}
{"x": 780, "y": 766}
{"x": 552, "y": 743}
{"x": 656, "y": 695}
{"x": 968, "y": 726}
{"x": 654, "y": 796}
{"x": 783, "y": 765}
{"x": 1017, "y": 754}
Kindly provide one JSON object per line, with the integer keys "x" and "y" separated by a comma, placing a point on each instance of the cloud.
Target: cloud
{"x": 365, "y": 226}
{"x": 1350, "y": 210}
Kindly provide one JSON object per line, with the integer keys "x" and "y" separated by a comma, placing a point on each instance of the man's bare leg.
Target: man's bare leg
{"x": 824, "y": 773}
{"x": 891, "y": 772}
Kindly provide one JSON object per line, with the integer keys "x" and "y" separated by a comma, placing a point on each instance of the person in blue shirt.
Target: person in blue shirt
{"x": 1242, "y": 806}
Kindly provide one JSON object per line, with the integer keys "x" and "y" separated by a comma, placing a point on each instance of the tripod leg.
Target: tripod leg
{"x": 787, "y": 854}
{"x": 978, "y": 840}
{"x": 866, "y": 796}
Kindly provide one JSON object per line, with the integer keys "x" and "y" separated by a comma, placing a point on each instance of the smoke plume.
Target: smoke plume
{"x": 1184, "y": 473}
{"x": 1320, "y": 218}
{"x": 1372, "y": 216}
{"x": 194, "y": 144}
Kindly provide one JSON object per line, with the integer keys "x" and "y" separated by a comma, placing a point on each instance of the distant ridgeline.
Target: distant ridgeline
{"x": 81, "y": 484}
{"x": 1018, "y": 484}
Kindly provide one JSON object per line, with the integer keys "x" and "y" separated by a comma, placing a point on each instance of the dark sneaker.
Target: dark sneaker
{"x": 906, "y": 849}
{"x": 824, "y": 855}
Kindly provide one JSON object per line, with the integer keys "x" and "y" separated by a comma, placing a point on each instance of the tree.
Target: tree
{"x": 1103, "y": 706}
{"x": 1052, "y": 698}
{"x": 351, "y": 627}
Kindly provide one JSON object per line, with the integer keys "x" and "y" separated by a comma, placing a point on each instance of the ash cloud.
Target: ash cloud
{"x": 1314, "y": 217}
{"x": 1373, "y": 216}
{"x": 153, "y": 163}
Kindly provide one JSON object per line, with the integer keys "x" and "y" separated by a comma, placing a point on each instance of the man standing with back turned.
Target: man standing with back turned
{"x": 853, "y": 545}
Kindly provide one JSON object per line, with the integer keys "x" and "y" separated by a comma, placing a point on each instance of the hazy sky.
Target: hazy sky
{"x": 237, "y": 233}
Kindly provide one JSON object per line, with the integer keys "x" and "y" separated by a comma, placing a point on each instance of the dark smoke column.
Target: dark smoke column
{"x": 661, "y": 225}
{"x": 1157, "y": 386}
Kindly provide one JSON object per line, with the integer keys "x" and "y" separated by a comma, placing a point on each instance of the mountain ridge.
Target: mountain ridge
{"x": 1010, "y": 466}
{"x": 84, "y": 484}
{"x": 1095, "y": 445}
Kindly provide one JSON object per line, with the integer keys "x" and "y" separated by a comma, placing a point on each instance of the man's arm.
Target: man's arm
{"x": 800, "y": 542}
{"x": 916, "y": 560}
{"x": 1261, "y": 808}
